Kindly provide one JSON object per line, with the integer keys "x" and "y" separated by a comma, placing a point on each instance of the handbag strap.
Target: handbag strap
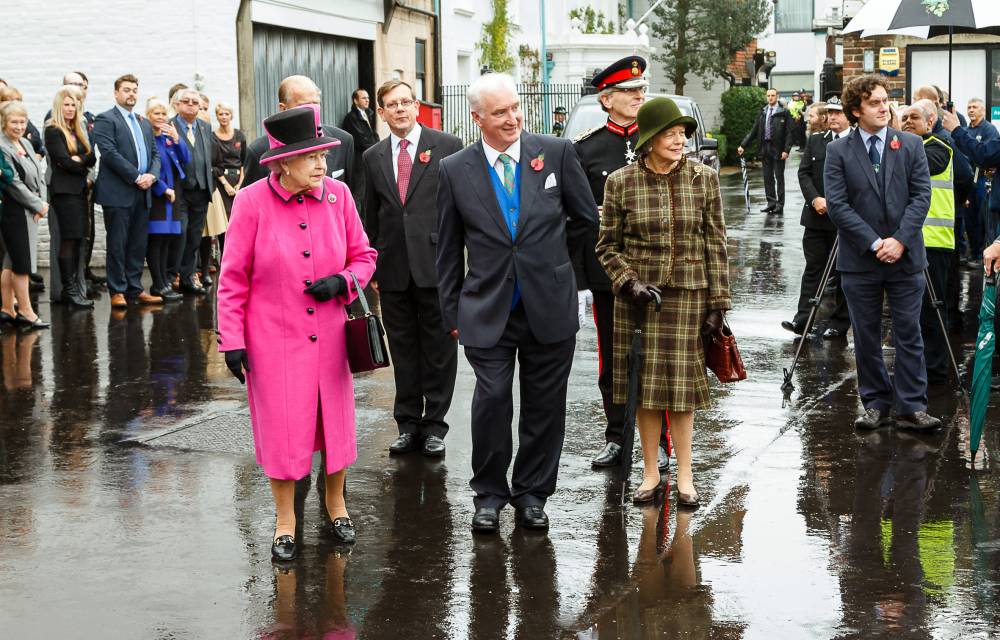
{"x": 361, "y": 294}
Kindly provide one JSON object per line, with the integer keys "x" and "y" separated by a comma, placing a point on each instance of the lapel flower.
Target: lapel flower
{"x": 894, "y": 145}
{"x": 538, "y": 163}
{"x": 425, "y": 157}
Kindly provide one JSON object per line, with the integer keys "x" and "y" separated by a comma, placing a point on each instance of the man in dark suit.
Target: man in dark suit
{"x": 878, "y": 192}
{"x": 819, "y": 234}
{"x": 401, "y": 220}
{"x": 295, "y": 91}
{"x": 360, "y": 123}
{"x": 772, "y": 132}
{"x": 130, "y": 165}
{"x": 195, "y": 191}
{"x": 511, "y": 201}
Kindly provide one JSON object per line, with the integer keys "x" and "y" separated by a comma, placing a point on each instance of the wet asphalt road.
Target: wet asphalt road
{"x": 132, "y": 507}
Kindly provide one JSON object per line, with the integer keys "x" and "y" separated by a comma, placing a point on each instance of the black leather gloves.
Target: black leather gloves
{"x": 237, "y": 362}
{"x": 327, "y": 288}
{"x": 640, "y": 292}
{"x": 712, "y": 323}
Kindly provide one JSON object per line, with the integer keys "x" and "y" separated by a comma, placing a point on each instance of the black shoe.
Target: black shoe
{"x": 662, "y": 459}
{"x": 343, "y": 530}
{"x": 405, "y": 443}
{"x": 284, "y": 548}
{"x": 169, "y": 295}
{"x": 531, "y": 518}
{"x": 206, "y": 280}
{"x": 918, "y": 421}
{"x": 433, "y": 447}
{"x": 873, "y": 419}
{"x": 95, "y": 279}
{"x": 35, "y": 287}
{"x": 768, "y": 209}
{"x": 37, "y": 323}
{"x": 190, "y": 288}
{"x": 791, "y": 326}
{"x": 642, "y": 496}
{"x": 608, "y": 457}
{"x": 37, "y": 278}
{"x": 6, "y": 318}
{"x": 778, "y": 211}
{"x": 486, "y": 520}
{"x": 832, "y": 333}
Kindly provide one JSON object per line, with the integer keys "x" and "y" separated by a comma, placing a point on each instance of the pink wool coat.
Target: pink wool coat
{"x": 299, "y": 386}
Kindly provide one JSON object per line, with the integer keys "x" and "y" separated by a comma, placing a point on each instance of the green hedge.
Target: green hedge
{"x": 740, "y": 106}
{"x": 723, "y": 144}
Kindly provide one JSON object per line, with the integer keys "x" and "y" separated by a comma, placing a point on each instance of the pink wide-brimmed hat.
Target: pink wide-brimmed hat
{"x": 295, "y": 131}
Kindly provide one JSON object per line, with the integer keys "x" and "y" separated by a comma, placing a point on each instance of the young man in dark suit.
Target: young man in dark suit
{"x": 507, "y": 205}
{"x": 819, "y": 233}
{"x": 129, "y": 165}
{"x": 401, "y": 220}
{"x": 360, "y": 123}
{"x": 772, "y": 131}
{"x": 878, "y": 191}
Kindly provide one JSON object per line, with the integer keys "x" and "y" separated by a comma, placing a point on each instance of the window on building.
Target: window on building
{"x": 793, "y": 15}
{"x": 421, "y": 69}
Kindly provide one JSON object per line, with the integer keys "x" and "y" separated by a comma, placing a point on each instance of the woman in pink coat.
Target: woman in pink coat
{"x": 292, "y": 243}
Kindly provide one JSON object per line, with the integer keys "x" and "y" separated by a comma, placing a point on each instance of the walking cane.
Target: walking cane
{"x": 815, "y": 301}
{"x": 937, "y": 304}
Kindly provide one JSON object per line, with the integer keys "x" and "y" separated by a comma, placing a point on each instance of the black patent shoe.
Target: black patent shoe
{"x": 532, "y": 517}
{"x": 284, "y": 548}
{"x": 873, "y": 419}
{"x": 343, "y": 530}
{"x": 643, "y": 496}
{"x": 433, "y": 447}
{"x": 791, "y": 326}
{"x": 37, "y": 323}
{"x": 7, "y": 319}
{"x": 662, "y": 459}
{"x": 608, "y": 457}
{"x": 486, "y": 520}
{"x": 405, "y": 443}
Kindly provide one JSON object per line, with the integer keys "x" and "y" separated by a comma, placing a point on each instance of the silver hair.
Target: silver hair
{"x": 155, "y": 102}
{"x": 182, "y": 93}
{"x": 978, "y": 101}
{"x": 488, "y": 83}
{"x": 927, "y": 108}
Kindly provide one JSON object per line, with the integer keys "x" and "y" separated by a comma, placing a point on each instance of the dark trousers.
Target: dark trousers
{"x": 816, "y": 246}
{"x": 774, "y": 176}
{"x": 127, "y": 229}
{"x": 865, "y": 292}
{"x": 604, "y": 321}
{"x": 194, "y": 202}
{"x": 544, "y": 372}
{"x": 157, "y": 253}
{"x": 424, "y": 359}
{"x": 88, "y": 241}
{"x": 939, "y": 266}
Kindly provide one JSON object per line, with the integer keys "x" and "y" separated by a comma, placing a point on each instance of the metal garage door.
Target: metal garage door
{"x": 330, "y": 61}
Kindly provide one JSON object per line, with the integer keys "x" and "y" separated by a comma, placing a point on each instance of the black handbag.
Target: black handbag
{"x": 365, "y": 337}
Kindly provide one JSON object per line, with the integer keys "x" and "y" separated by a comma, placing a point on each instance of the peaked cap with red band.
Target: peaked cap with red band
{"x": 627, "y": 73}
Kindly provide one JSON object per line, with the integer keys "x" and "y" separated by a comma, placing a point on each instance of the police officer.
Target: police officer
{"x": 559, "y": 124}
{"x": 603, "y": 150}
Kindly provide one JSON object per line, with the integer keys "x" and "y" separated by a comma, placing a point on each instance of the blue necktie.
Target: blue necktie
{"x": 767, "y": 125}
{"x": 873, "y": 154}
{"x": 140, "y": 144}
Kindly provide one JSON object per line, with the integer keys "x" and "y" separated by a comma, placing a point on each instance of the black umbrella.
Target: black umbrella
{"x": 634, "y": 361}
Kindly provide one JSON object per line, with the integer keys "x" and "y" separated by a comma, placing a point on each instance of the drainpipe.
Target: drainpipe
{"x": 547, "y": 116}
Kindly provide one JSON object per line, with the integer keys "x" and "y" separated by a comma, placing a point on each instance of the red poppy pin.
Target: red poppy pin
{"x": 894, "y": 145}
{"x": 538, "y": 163}
{"x": 425, "y": 157}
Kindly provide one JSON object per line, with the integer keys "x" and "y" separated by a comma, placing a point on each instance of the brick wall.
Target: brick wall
{"x": 854, "y": 58}
{"x": 738, "y": 67}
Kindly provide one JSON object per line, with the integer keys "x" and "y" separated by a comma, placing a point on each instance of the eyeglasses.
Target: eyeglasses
{"x": 392, "y": 106}
{"x": 189, "y": 101}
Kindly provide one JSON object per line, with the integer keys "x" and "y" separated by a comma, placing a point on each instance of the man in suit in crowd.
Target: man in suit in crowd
{"x": 195, "y": 191}
{"x": 511, "y": 201}
{"x": 819, "y": 233}
{"x": 130, "y": 165}
{"x": 401, "y": 220}
{"x": 878, "y": 192}
{"x": 295, "y": 91}
{"x": 360, "y": 123}
{"x": 772, "y": 130}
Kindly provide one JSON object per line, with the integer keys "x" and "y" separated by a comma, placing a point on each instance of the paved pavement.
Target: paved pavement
{"x": 132, "y": 507}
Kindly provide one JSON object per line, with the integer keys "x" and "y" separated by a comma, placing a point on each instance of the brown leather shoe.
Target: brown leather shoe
{"x": 118, "y": 300}
{"x": 145, "y": 298}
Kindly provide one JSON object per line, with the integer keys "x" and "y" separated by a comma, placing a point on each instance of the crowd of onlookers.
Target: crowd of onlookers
{"x": 164, "y": 177}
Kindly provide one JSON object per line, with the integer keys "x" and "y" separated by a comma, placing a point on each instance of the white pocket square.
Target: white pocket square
{"x": 336, "y": 174}
{"x": 550, "y": 181}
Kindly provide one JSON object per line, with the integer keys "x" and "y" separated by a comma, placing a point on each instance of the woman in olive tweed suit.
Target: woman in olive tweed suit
{"x": 662, "y": 228}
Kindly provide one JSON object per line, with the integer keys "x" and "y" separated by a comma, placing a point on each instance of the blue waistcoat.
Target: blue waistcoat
{"x": 510, "y": 207}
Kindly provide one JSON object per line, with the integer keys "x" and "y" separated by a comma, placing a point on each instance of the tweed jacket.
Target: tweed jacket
{"x": 667, "y": 230}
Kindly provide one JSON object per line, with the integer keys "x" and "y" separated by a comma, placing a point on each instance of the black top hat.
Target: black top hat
{"x": 295, "y": 131}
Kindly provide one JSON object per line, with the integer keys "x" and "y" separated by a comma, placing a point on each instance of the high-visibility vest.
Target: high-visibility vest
{"x": 939, "y": 227}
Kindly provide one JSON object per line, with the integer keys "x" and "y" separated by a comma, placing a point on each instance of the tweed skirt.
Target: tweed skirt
{"x": 673, "y": 374}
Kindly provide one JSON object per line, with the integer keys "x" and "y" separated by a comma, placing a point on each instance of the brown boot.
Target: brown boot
{"x": 145, "y": 298}
{"x": 118, "y": 301}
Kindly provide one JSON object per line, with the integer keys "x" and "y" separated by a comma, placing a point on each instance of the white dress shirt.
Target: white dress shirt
{"x": 493, "y": 156}
{"x": 413, "y": 137}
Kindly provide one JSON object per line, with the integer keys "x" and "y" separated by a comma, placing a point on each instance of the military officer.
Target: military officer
{"x": 603, "y": 150}
{"x": 559, "y": 124}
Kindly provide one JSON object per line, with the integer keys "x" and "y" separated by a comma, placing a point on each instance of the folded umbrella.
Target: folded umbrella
{"x": 746, "y": 183}
{"x": 634, "y": 361}
{"x": 983, "y": 366}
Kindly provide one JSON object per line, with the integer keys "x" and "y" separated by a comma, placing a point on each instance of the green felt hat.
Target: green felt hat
{"x": 658, "y": 114}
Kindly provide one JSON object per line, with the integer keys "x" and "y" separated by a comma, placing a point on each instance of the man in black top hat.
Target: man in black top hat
{"x": 559, "y": 115}
{"x": 603, "y": 150}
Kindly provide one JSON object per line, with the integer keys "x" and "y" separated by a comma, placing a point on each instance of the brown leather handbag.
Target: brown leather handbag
{"x": 365, "y": 337}
{"x": 723, "y": 357}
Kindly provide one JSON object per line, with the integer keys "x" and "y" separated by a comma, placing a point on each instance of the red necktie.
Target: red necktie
{"x": 404, "y": 167}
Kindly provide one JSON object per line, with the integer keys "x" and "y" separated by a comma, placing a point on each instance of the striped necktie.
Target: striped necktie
{"x": 508, "y": 172}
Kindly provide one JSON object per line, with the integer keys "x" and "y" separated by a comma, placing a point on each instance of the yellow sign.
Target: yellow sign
{"x": 888, "y": 61}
